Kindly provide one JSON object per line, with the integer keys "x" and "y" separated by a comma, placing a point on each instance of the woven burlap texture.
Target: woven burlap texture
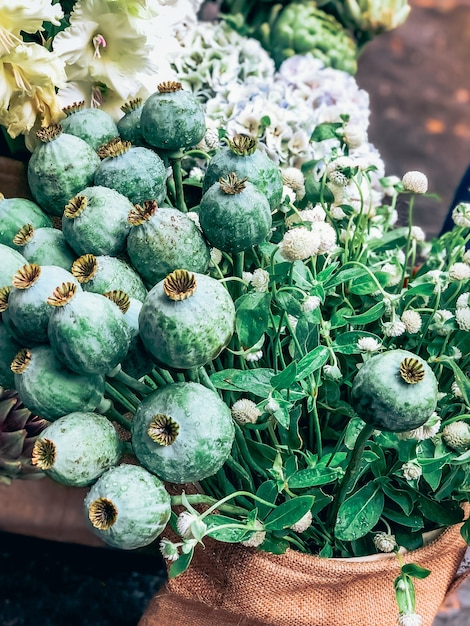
{"x": 229, "y": 585}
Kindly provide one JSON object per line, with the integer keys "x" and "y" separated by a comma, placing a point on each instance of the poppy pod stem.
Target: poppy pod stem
{"x": 178, "y": 179}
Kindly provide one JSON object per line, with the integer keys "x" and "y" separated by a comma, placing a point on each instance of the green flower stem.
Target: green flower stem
{"x": 158, "y": 378}
{"x": 408, "y": 241}
{"x": 245, "y": 453}
{"x": 117, "y": 396}
{"x": 150, "y": 382}
{"x": 115, "y": 416}
{"x": 429, "y": 320}
{"x": 126, "y": 393}
{"x": 316, "y": 428}
{"x": 203, "y": 499}
{"x": 171, "y": 191}
{"x": 350, "y": 473}
{"x": 198, "y": 154}
{"x": 127, "y": 448}
{"x": 178, "y": 178}
{"x": 131, "y": 383}
{"x": 165, "y": 375}
{"x": 205, "y": 380}
{"x": 240, "y": 472}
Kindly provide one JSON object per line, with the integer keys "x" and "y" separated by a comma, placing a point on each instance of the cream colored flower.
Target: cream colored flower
{"x": 462, "y": 317}
{"x": 466, "y": 257}
{"x": 169, "y": 550}
{"x": 384, "y": 542}
{"x": 327, "y": 237}
{"x": 417, "y": 234}
{"x": 315, "y": 214}
{"x": 293, "y": 178}
{"x": 457, "y": 435}
{"x": 412, "y": 321}
{"x": 463, "y": 300}
{"x": 216, "y": 256}
{"x": 245, "y": 411}
{"x": 394, "y": 328}
{"x": 375, "y": 16}
{"x": 459, "y": 271}
{"x": 427, "y": 431}
{"x": 257, "y": 537}
{"x": 303, "y": 523}
{"x": 29, "y": 76}
{"x": 411, "y": 470}
{"x": 27, "y": 16}
{"x": 299, "y": 244}
{"x": 416, "y": 182}
{"x": 260, "y": 280}
{"x": 368, "y": 344}
{"x": 310, "y": 304}
{"x": 461, "y": 214}
{"x": 354, "y": 135}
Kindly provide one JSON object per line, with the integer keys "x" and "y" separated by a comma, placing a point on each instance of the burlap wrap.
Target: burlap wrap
{"x": 229, "y": 585}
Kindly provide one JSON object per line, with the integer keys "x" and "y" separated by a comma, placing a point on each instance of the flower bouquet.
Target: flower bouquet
{"x": 233, "y": 334}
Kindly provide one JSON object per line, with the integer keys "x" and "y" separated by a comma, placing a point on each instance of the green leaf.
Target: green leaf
{"x": 359, "y": 513}
{"x": 374, "y": 313}
{"x": 415, "y": 571}
{"x": 346, "y": 343}
{"x": 288, "y": 513}
{"x": 311, "y": 362}
{"x": 345, "y": 275}
{"x": 274, "y": 545}
{"x": 326, "y": 130}
{"x": 366, "y": 285}
{"x": 284, "y": 379}
{"x": 181, "y": 564}
{"x": 266, "y": 491}
{"x": 256, "y": 381}
{"x": 315, "y": 190}
{"x": 444, "y": 514}
{"x": 338, "y": 319}
{"x": 353, "y": 429}
{"x": 252, "y": 316}
{"x": 307, "y": 334}
{"x": 263, "y": 455}
{"x": 403, "y": 498}
{"x": 289, "y": 303}
{"x": 227, "y": 535}
{"x": 314, "y": 477}
{"x": 413, "y": 520}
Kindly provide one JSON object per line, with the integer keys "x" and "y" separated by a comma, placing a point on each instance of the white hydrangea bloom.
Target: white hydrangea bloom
{"x": 459, "y": 271}
{"x": 245, "y": 411}
{"x": 462, "y": 317}
{"x": 461, "y": 215}
{"x": 412, "y": 321}
{"x": 414, "y": 181}
{"x": 299, "y": 244}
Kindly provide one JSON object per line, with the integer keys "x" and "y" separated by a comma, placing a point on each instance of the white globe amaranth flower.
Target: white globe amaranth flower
{"x": 293, "y": 178}
{"x": 461, "y": 215}
{"x": 368, "y": 344}
{"x": 271, "y": 405}
{"x": 299, "y": 244}
{"x": 384, "y": 542}
{"x": 354, "y": 135}
{"x": 196, "y": 173}
{"x": 466, "y": 257}
{"x": 245, "y": 411}
{"x": 332, "y": 372}
{"x": 188, "y": 525}
{"x": 415, "y": 181}
{"x": 411, "y": 470}
{"x": 457, "y": 435}
{"x": 459, "y": 271}
{"x": 216, "y": 256}
{"x": 303, "y": 523}
{"x": 315, "y": 214}
{"x": 394, "y": 272}
{"x": 339, "y": 171}
{"x": 410, "y": 619}
{"x": 211, "y": 137}
{"x": 310, "y": 304}
{"x": 455, "y": 390}
{"x": 260, "y": 280}
{"x": 253, "y": 357}
{"x": 412, "y": 321}
{"x": 463, "y": 300}
{"x": 462, "y": 317}
{"x": 247, "y": 276}
{"x": 417, "y": 234}
{"x": 426, "y": 431}
{"x": 257, "y": 537}
{"x": 169, "y": 550}
{"x": 394, "y": 328}
{"x": 327, "y": 237}
{"x": 441, "y": 316}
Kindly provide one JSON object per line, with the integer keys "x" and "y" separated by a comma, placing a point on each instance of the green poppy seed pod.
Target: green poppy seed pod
{"x": 91, "y": 124}
{"x": 128, "y": 507}
{"x": 15, "y": 213}
{"x": 77, "y": 448}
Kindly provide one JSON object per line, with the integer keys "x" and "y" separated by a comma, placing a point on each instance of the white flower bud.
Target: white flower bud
{"x": 411, "y": 470}
{"x": 299, "y": 244}
{"x": 216, "y": 256}
{"x": 257, "y": 537}
{"x": 354, "y": 135}
{"x": 315, "y": 214}
{"x": 459, "y": 271}
{"x": 417, "y": 233}
{"x": 412, "y": 321}
{"x": 252, "y": 357}
{"x": 271, "y": 406}
{"x": 426, "y": 431}
{"x": 245, "y": 411}
{"x": 332, "y": 372}
{"x": 260, "y": 280}
{"x": 368, "y": 344}
{"x": 461, "y": 215}
{"x": 462, "y": 317}
{"x": 384, "y": 542}
{"x": 463, "y": 301}
{"x": 457, "y": 435}
{"x": 410, "y": 619}
{"x": 416, "y": 182}
{"x": 188, "y": 525}
{"x": 169, "y": 550}
{"x": 303, "y": 523}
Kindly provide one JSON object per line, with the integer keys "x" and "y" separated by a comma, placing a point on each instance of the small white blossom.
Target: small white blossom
{"x": 337, "y": 213}
{"x": 303, "y": 523}
{"x": 457, "y": 435}
{"x": 456, "y": 353}
{"x": 455, "y": 389}
{"x": 394, "y": 328}
{"x": 327, "y": 237}
{"x": 169, "y": 550}
{"x": 426, "y": 431}
{"x": 438, "y": 324}
{"x": 260, "y": 280}
{"x": 384, "y": 542}
{"x": 293, "y": 178}
{"x": 299, "y": 244}
{"x": 196, "y": 173}
{"x": 354, "y": 135}
{"x": 459, "y": 271}
{"x": 247, "y": 276}
{"x": 186, "y": 523}
{"x": 417, "y": 233}
{"x": 410, "y": 619}
{"x": 462, "y": 317}
{"x": 412, "y": 321}
{"x": 315, "y": 214}
{"x": 461, "y": 214}
{"x": 394, "y": 271}
{"x": 211, "y": 138}
{"x": 310, "y": 304}
{"x": 252, "y": 357}
{"x": 411, "y": 470}
{"x": 466, "y": 257}
{"x": 257, "y": 537}
{"x": 216, "y": 256}
{"x": 332, "y": 372}
{"x": 271, "y": 406}
{"x": 463, "y": 300}
{"x": 389, "y": 184}
{"x": 245, "y": 411}
{"x": 368, "y": 344}
{"x": 416, "y": 182}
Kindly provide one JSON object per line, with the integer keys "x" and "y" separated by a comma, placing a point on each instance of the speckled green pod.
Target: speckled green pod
{"x": 10, "y": 262}
{"x": 162, "y": 240}
{"x": 27, "y": 304}
{"x": 50, "y": 389}
{"x": 128, "y": 507}
{"x": 246, "y": 160}
{"x": 14, "y": 213}
{"x": 86, "y": 330}
{"x": 234, "y": 215}
{"x": 9, "y": 348}
{"x": 60, "y": 166}
{"x": 187, "y": 319}
{"x": 137, "y": 361}
{"x": 395, "y": 391}
{"x": 93, "y": 125}
{"x": 77, "y": 448}
{"x": 183, "y": 432}
{"x": 136, "y": 172}
{"x": 45, "y": 246}
{"x": 129, "y": 124}
{"x": 102, "y": 273}
{"x": 95, "y": 221}
{"x": 172, "y": 119}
